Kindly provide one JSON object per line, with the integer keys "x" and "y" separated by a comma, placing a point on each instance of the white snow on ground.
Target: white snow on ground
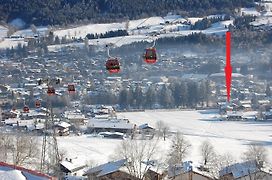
{"x": 101, "y": 43}
{"x": 174, "y": 18}
{"x": 219, "y": 28}
{"x": 152, "y": 21}
{"x": 88, "y": 148}
{"x": 250, "y": 12}
{"x": 262, "y": 21}
{"x": 267, "y": 5}
{"x": 197, "y": 126}
{"x": 82, "y": 31}
{"x": 193, "y": 20}
{"x": 9, "y": 43}
{"x": 29, "y": 33}
{"x": 120, "y": 41}
{"x": 200, "y": 125}
{"x": 58, "y": 47}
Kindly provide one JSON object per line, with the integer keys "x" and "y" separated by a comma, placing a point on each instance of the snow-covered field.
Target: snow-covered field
{"x": 197, "y": 126}
{"x": 250, "y": 11}
{"x": 82, "y": 31}
{"x": 9, "y": 43}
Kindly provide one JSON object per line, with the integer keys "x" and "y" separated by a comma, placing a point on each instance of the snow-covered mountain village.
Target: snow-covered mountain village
{"x": 138, "y": 98}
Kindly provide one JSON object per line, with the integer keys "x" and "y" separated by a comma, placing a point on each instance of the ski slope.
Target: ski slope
{"x": 197, "y": 126}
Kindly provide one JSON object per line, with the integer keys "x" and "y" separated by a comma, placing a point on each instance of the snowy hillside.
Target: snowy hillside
{"x": 138, "y": 30}
{"x": 82, "y": 31}
{"x": 197, "y": 126}
{"x": 219, "y": 28}
{"x": 41, "y": 31}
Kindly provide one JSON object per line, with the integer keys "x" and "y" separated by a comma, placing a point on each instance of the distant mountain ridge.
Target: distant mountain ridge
{"x": 61, "y": 12}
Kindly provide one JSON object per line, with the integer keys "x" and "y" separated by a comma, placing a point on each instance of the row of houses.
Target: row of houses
{"x": 121, "y": 170}
{"x": 104, "y": 122}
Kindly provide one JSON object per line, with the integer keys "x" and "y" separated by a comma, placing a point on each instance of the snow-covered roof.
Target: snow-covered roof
{"x": 64, "y": 125}
{"x": 74, "y": 164}
{"x": 111, "y": 133}
{"x": 239, "y": 169}
{"x": 180, "y": 168}
{"x": 145, "y": 126}
{"x": 12, "y": 120}
{"x": 12, "y": 175}
{"x": 11, "y": 172}
{"x": 110, "y": 124}
{"x": 107, "y": 168}
{"x": 250, "y": 11}
{"x": 76, "y": 116}
{"x": 234, "y": 113}
{"x": 35, "y": 113}
{"x": 246, "y": 105}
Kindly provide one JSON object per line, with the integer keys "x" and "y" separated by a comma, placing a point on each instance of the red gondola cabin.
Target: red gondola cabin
{"x": 150, "y": 55}
{"x": 71, "y": 89}
{"x": 50, "y": 91}
{"x": 38, "y": 103}
{"x": 26, "y": 109}
{"x": 113, "y": 65}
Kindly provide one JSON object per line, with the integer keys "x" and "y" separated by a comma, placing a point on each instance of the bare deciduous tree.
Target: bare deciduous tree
{"x": 24, "y": 148}
{"x": 256, "y": 153}
{"x": 220, "y": 162}
{"x": 138, "y": 154}
{"x": 5, "y": 146}
{"x": 179, "y": 149}
{"x": 62, "y": 154}
{"x": 19, "y": 149}
{"x": 207, "y": 152}
{"x": 163, "y": 129}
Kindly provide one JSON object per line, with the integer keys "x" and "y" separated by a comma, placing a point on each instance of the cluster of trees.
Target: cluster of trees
{"x": 19, "y": 149}
{"x": 209, "y": 68}
{"x": 243, "y": 22}
{"x": 207, "y": 22}
{"x": 64, "y": 12}
{"x": 108, "y": 34}
{"x": 21, "y": 51}
{"x": 187, "y": 94}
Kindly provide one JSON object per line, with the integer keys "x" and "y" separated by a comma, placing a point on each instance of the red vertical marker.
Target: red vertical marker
{"x": 228, "y": 68}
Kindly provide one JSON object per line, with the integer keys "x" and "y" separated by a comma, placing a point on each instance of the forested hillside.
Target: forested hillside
{"x": 70, "y": 11}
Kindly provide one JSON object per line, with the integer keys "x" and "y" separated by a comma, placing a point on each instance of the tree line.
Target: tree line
{"x": 185, "y": 94}
{"x": 107, "y": 34}
{"x": 207, "y": 22}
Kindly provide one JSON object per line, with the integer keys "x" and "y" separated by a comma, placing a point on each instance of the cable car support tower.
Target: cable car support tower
{"x": 50, "y": 154}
